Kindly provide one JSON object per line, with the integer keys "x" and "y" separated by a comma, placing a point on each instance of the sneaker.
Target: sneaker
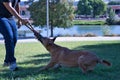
{"x": 13, "y": 67}
{"x": 6, "y": 64}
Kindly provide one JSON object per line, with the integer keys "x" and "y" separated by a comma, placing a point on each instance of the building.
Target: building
{"x": 116, "y": 8}
{"x": 24, "y": 10}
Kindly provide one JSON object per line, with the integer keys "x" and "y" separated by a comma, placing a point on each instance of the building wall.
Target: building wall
{"x": 24, "y": 11}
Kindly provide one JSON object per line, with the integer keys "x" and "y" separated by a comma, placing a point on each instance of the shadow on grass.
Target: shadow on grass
{"x": 38, "y": 59}
{"x": 41, "y": 55}
{"x": 104, "y": 50}
{"x": 100, "y": 47}
{"x": 110, "y": 51}
{"x": 26, "y": 71}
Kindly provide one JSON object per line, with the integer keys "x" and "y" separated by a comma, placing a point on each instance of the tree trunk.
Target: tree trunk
{"x": 94, "y": 15}
{"x": 51, "y": 31}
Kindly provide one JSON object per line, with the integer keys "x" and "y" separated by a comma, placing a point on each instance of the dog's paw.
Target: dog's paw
{"x": 43, "y": 69}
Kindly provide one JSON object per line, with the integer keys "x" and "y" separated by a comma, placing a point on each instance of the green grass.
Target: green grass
{"x": 32, "y": 56}
{"x": 89, "y": 22}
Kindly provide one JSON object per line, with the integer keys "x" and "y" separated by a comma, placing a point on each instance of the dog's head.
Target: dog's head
{"x": 47, "y": 41}
{"x": 44, "y": 40}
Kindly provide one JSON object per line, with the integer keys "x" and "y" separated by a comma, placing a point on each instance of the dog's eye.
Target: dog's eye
{"x": 49, "y": 43}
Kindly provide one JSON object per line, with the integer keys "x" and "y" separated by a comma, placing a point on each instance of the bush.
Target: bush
{"x": 118, "y": 22}
{"x": 111, "y": 16}
{"x": 112, "y": 22}
{"x": 90, "y": 35}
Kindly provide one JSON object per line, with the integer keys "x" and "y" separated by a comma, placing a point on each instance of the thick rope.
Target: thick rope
{"x": 30, "y": 27}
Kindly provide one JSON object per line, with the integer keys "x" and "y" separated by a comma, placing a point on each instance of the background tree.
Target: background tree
{"x": 114, "y": 3}
{"x": 29, "y": 1}
{"x": 99, "y": 7}
{"x": 111, "y": 17}
{"x": 60, "y": 13}
{"x": 93, "y": 7}
{"x": 84, "y": 7}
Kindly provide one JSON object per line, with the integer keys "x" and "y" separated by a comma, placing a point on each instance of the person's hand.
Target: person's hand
{"x": 24, "y": 21}
{"x": 19, "y": 24}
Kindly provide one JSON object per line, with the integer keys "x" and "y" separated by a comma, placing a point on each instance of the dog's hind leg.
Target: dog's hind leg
{"x": 56, "y": 66}
{"x": 87, "y": 65}
{"x": 81, "y": 64}
{"x": 91, "y": 66}
{"x": 83, "y": 67}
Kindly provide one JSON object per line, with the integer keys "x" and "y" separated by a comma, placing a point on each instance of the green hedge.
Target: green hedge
{"x": 89, "y": 22}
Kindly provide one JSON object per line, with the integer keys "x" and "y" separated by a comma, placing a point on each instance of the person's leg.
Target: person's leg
{"x": 14, "y": 30}
{"x": 13, "y": 66}
{"x": 7, "y": 30}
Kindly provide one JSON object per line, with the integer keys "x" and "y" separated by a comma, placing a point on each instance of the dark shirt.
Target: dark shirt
{"x": 3, "y": 11}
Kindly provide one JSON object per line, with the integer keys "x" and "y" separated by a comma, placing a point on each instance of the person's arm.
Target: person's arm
{"x": 17, "y": 8}
{"x": 9, "y": 7}
{"x": 14, "y": 12}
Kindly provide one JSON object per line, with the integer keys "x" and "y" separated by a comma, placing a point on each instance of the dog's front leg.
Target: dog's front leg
{"x": 49, "y": 65}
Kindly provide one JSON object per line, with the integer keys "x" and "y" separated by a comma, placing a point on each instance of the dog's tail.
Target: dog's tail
{"x": 107, "y": 63}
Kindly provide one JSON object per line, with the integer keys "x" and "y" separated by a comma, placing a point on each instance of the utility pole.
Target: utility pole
{"x": 47, "y": 17}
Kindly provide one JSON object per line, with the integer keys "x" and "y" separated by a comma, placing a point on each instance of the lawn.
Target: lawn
{"x": 32, "y": 56}
{"x": 89, "y": 22}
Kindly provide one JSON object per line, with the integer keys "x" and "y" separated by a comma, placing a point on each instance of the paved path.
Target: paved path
{"x": 71, "y": 39}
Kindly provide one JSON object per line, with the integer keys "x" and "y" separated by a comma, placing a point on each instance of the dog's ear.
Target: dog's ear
{"x": 54, "y": 38}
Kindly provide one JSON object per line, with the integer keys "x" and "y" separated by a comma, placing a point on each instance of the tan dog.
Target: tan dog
{"x": 62, "y": 56}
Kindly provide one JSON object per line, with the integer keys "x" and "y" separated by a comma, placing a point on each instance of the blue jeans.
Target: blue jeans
{"x": 9, "y": 31}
